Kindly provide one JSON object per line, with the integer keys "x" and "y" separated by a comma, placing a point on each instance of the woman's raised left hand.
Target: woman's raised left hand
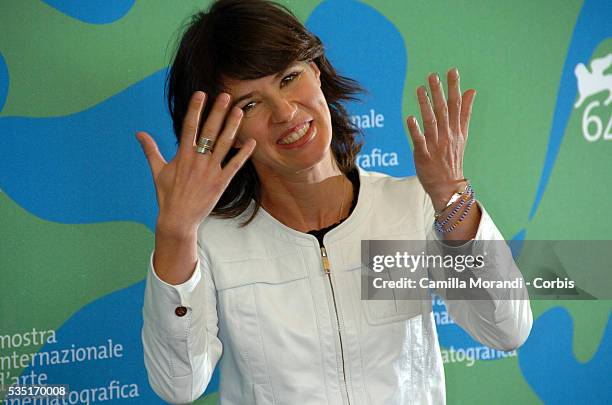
{"x": 438, "y": 153}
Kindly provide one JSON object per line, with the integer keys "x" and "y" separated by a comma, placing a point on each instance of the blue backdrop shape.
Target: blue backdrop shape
{"x": 562, "y": 379}
{"x": 361, "y": 41}
{"x": 88, "y": 167}
{"x": 93, "y": 11}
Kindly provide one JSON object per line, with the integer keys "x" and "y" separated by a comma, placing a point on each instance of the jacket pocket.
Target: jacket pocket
{"x": 265, "y": 304}
{"x": 390, "y": 304}
{"x": 378, "y": 312}
{"x": 275, "y": 270}
{"x": 385, "y": 306}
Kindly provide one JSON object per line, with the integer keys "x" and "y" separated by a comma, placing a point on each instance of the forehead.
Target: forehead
{"x": 240, "y": 86}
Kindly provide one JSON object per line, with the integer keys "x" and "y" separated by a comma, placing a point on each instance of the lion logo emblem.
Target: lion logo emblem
{"x": 595, "y": 81}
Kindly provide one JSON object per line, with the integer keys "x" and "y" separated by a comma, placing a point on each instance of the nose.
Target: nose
{"x": 283, "y": 110}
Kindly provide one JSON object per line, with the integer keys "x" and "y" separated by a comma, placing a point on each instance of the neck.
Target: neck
{"x": 310, "y": 200}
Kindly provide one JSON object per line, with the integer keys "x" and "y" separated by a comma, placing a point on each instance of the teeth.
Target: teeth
{"x": 295, "y": 135}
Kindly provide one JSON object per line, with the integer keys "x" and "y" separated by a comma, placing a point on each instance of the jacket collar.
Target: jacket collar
{"x": 274, "y": 228}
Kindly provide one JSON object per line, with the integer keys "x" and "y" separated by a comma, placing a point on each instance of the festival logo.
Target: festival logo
{"x": 591, "y": 83}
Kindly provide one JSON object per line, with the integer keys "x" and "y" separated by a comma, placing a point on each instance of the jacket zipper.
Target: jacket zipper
{"x": 327, "y": 270}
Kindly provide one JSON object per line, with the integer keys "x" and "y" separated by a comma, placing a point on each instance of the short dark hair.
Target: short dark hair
{"x": 249, "y": 39}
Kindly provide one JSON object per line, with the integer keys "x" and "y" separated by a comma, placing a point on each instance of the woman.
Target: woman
{"x": 261, "y": 214}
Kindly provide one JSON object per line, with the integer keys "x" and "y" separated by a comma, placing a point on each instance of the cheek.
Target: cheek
{"x": 321, "y": 102}
{"x": 245, "y": 132}
{"x": 252, "y": 130}
{"x": 323, "y": 109}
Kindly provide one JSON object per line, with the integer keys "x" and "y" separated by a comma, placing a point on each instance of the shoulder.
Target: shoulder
{"x": 398, "y": 203}
{"x": 389, "y": 187}
{"x": 224, "y": 233}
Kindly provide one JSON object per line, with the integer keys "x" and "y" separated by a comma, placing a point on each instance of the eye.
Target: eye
{"x": 249, "y": 106}
{"x": 289, "y": 78}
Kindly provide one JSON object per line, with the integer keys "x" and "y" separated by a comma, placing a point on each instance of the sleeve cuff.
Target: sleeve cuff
{"x": 486, "y": 231}
{"x": 181, "y": 291}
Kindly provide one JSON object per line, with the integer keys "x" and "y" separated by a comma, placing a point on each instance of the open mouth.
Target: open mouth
{"x": 296, "y": 135}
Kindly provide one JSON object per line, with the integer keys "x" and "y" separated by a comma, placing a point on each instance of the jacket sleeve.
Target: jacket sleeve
{"x": 180, "y": 352}
{"x": 499, "y": 318}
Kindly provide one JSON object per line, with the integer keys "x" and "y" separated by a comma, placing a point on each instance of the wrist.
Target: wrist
{"x": 169, "y": 230}
{"x": 455, "y": 211}
{"x": 442, "y": 194}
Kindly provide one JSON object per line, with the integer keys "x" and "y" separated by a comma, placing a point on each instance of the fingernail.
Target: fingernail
{"x": 224, "y": 98}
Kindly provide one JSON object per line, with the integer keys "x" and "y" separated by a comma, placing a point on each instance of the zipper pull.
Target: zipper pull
{"x": 326, "y": 267}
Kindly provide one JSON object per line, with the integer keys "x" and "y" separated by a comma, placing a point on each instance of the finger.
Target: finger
{"x": 215, "y": 119}
{"x": 226, "y": 140}
{"x": 418, "y": 139}
{"x": 466, "y": 111}
{"x": 151, "y": 151}
{"x": 439, "y": 105}
{"x": 235, "y": 163}
{"x": 427, "y": 115}
{"x": 191, "y": 123}
{"x": 454, "y": 100}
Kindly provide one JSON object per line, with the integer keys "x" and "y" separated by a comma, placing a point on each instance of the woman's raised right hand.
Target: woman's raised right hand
{"x": 189, "y": 186}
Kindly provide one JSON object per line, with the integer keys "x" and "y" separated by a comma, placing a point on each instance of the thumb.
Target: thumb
{"x": 151, "y": 151}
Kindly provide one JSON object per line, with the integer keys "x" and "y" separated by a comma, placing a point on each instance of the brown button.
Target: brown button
{"x": 180, "y": 311}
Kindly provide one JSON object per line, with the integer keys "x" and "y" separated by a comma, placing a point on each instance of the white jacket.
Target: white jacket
{"x": 292, "y": 334}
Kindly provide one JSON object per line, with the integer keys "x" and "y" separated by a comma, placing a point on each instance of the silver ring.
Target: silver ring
{"x": 203, "y": 149}
{"x": 204, "y": 145}
{"x": 205, "y": 142}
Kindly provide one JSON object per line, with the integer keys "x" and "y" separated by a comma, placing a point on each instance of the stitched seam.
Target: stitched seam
{"x": 414, "y": 387}
{"x": 358, "y": 308}
{"x": 188, "y": 344}
{"x": 164, "y": 342}
{"x": 251, "y": 258}
{"x": 428, "y": 357}
{"x": 170, "y": 357}
{"x": 347, "y": 374}
{"x": 263, "y": 349}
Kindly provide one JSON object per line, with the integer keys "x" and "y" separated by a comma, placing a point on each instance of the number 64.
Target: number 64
{"x": 589, "y": 120}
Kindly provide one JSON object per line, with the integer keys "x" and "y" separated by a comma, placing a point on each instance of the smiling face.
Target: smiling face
{"x": 288, "y": 116}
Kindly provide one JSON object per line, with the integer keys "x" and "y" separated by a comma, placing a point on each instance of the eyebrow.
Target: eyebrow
{"x": 249, "y": 95}
{"x": 241, "y": 98}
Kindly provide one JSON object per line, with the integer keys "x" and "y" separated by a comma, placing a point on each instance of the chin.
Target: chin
{"x": 317, "y": 161}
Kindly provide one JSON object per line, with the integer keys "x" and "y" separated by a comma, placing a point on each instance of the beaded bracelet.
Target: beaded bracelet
{"x": 464, "y": 214}
{"x": 468, "y": 197}
{"x": 461, "y": 202}
{"x": 462, "y": 217}
{"x": 467, "y": 194}
{"x": 455, "y": 196}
